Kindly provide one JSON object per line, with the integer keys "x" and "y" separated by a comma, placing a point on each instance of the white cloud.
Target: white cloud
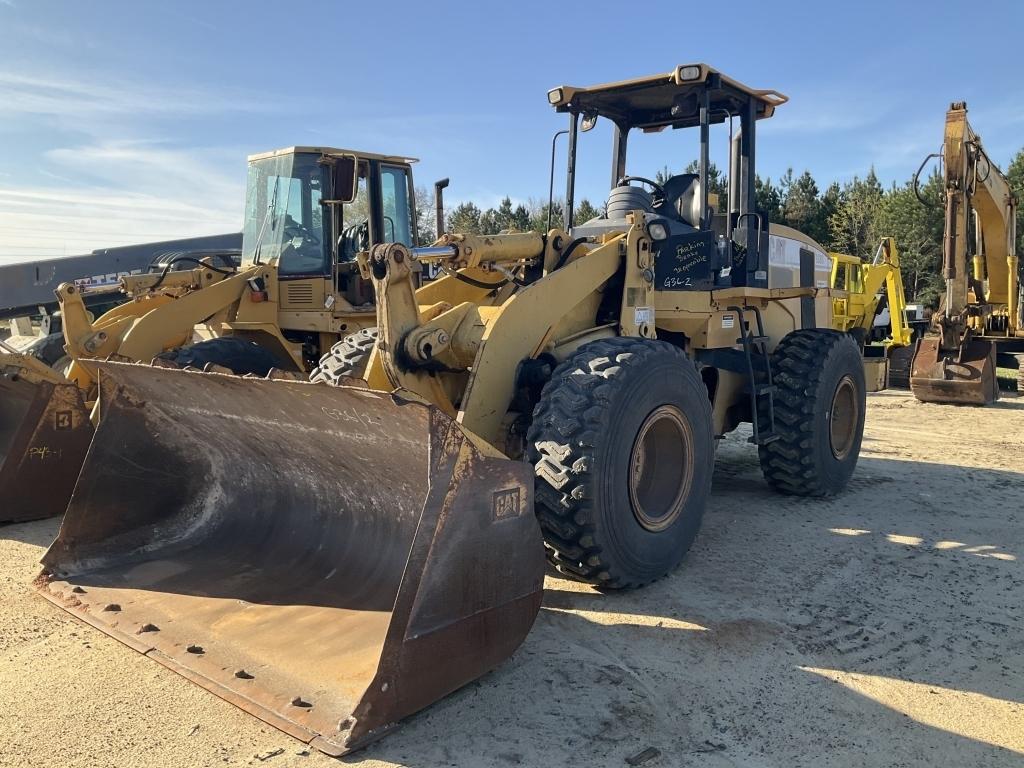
{"x": 104, "y": 185}
{"x": 40, "y": 222}
{"x": 69, "y": 98}
{"x": 143, "y": 192}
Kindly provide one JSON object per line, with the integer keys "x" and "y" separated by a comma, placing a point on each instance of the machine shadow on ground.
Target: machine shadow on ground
{"x": 874, "y": 628}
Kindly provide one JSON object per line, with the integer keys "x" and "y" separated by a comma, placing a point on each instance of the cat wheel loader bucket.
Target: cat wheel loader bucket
{"x": 967, "y": 376}
{"x": 329, "y": 559}
{"x": 44, "y": 434}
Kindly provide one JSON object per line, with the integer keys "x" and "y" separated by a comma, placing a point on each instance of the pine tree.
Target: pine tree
{"x": 768, "y": 199}
{"x": 918, "y": 230}
{"x": 801, "y": 206}
{"x": 465, "y": 219}
{"x": 584, "y": 212}
{"x": 1015, "y": 174}
{"x": 852, "y": 226}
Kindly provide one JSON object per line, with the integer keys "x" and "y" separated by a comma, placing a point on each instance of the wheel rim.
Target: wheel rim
{"x": 661, "y": 469}
{"x": 843, "y": 417}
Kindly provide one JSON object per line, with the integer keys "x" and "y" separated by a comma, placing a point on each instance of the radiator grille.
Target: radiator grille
{"x": 301, "y": 293}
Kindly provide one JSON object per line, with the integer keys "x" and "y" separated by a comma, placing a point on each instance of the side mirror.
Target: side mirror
{"x": 345, "y": 179}
{"x": 588, "y": 122}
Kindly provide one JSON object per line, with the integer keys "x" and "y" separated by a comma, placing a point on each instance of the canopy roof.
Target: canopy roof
{"x": 672, "y": 99}
{"x": 332, "y": 152}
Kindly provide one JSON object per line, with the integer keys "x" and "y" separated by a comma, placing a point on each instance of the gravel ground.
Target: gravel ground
{"x": 880, "y": 628}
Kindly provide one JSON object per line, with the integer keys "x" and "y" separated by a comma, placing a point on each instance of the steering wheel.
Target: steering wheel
{"x": 295, "y": 228}
{"x": 667, "y": 196}
{"x": 655, "y": 186}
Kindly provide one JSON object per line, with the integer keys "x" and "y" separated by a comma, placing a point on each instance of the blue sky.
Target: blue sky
{"x": 130, "y": 121}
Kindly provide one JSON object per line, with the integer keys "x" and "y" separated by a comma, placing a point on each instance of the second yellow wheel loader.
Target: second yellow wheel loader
{"x": 308, "y": 211}
{"x": 335, "y": 558}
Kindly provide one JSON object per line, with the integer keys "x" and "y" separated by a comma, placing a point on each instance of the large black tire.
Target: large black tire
{"x": 622, "y": 448}
{"x": 900, "y": 360}
{"x": 820, "y": 403}
{"x": 347, "y": 358}
{"x": 239, "y": 355}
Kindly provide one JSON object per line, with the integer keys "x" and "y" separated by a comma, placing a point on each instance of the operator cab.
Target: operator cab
{"x": 313, "y": 208}
{"x": 712, "y": 251}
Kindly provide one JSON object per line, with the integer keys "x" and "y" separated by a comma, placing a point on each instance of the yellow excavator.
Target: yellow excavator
{"x": 859, "y": 288}
{"x": 296, "y": 301}
{"x": 981, "y": 310}
{"x": 334, "y": 556}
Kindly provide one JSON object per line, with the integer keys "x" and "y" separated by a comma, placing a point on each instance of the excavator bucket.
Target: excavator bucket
{"x": 329, "y": 559}
{"x": 44, "y": 434}
{"x": 967, "y": 376}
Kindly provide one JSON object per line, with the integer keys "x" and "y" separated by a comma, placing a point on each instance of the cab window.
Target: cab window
{"x": 397, "y": 210}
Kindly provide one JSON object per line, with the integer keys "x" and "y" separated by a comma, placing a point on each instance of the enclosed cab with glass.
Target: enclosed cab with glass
{"x": 309, "y": 211}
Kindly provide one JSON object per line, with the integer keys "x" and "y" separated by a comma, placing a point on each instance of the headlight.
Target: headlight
{"x": 657, "y": 230}
{"x": 691, "y": 72}
{"x": 554, "y": 95}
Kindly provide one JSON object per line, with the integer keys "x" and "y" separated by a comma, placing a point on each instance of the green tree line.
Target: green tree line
{"x": 848, "y": 218}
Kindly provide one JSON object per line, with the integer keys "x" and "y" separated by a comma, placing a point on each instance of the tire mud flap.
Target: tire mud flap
{"x": 967, "y": 376}
{"x": 44, "y": 434}
{"x": 322, "y": 557}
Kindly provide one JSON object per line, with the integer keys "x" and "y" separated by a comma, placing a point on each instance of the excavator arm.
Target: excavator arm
{"x": 863, "y": 284}
{"x": 980, "y": 228}
{"x": 980, "y": 270}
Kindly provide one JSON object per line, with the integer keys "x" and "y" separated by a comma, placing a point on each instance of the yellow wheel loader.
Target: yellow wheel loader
{"x": 297, "y": 299}
{"x": 982, "y": 311}
{"x": 334, "y": 558}
{"x": 858, "y": 302}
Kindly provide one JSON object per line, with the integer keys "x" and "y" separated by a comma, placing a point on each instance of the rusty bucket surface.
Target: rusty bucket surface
{"x": 44, "y": 434}
{"x": 966, "y": 376}
{"x": 328, "y": 559}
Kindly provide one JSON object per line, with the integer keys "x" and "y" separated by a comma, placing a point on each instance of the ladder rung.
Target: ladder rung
{"x": 752, "y": 339}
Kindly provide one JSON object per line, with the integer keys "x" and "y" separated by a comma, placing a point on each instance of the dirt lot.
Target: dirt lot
{"x": 882, "y": 628}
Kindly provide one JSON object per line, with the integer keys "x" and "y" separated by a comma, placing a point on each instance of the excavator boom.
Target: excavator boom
{"x": 980, "y": 273}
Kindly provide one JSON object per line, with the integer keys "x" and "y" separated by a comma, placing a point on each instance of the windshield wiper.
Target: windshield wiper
{"x": 271, "y": 209}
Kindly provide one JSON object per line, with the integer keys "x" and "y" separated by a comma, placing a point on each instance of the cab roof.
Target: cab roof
{"x": 672, "y": 99}
{"x": 332, "y": 152}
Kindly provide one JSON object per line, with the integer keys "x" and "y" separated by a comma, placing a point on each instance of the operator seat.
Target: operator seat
{"x": 682, "y": 199}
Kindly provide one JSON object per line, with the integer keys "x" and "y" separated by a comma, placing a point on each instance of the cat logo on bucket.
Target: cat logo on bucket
{"x": 506, "y": 504}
